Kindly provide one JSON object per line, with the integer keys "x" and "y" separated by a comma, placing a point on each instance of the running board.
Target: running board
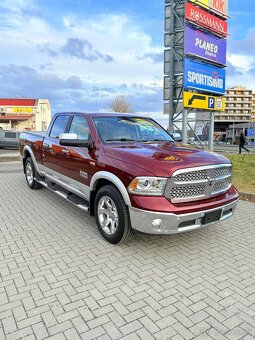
{"x": 70, "y": 197}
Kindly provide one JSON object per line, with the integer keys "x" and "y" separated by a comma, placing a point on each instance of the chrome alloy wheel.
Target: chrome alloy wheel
{"x": 108, "y": 215}
{"x": 29, "y": 173}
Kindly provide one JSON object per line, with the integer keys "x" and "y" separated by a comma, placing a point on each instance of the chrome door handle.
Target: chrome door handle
{"x": 46, "y": 145}
{"x": 66, "y": 151}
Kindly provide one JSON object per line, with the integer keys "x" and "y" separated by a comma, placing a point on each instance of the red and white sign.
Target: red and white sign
{"x": 206, "y": 20}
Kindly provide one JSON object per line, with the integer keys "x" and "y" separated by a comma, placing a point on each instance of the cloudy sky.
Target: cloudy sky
{"x": 81, "y": 54}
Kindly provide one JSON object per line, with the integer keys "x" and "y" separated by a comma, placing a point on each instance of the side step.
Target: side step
{"x": 70, "y": 197}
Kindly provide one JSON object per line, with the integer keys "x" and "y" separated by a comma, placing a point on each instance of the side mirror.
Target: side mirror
{"x": 71, "y": 139}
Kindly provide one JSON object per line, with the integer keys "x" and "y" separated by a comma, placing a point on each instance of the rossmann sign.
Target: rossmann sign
{"x": 204, "y": 77}
{"x": 204, "y": 45}
{"x": 206, "y": 20}
{"x": 218, "y": 6}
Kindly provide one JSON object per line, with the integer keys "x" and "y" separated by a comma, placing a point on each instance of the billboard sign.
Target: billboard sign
{"x": 202, "y": 101}
{"x": 204, "y": 77}
{"x": 205, "y": 46}
{"x": 206, "y": 20}
{"x": 218, "y": 6}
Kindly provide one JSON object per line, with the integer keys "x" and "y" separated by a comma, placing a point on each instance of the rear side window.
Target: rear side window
{"x": 59, "y": 126}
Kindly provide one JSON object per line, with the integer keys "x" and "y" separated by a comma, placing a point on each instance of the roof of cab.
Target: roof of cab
{"x": 99, "y": 114}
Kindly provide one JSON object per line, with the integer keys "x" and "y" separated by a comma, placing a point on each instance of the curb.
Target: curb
{"x": 5, "y": 159}
{"x": 245, "y": 196}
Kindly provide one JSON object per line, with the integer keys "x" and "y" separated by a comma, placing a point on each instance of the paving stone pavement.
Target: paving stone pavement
{"x": 61, "y": 280}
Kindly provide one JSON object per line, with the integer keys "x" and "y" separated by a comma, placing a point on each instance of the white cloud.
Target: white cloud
{"x": 110, "y": 34}
{"x": 242, "y": 62}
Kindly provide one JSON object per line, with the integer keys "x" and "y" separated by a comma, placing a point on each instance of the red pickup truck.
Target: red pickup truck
{"x": 129, "y": 173}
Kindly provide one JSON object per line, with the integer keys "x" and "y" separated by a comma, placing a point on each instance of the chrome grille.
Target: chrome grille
{"x": 191, "y": 176}
{"x": 220, "y": 186}
{"x": 187, "y": 191}
{"x": 198, "y": 183}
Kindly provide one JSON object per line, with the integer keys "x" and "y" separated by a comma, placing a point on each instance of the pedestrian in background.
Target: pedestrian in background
{"x": 242, "y": 143}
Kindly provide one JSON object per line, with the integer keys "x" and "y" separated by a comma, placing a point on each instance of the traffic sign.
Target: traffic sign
{"x": 202, "y": 101}
{"x": 250, "y": 132}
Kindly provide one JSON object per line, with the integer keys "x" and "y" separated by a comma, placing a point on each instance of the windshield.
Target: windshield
{"x": 130, "y": 129}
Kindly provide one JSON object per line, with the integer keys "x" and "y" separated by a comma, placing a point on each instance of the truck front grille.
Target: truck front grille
{"x": 198, "y": 183}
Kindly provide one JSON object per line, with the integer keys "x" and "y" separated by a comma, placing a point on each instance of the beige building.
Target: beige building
{"x": 240, "y": 103}
{"x": 24, "y": 114}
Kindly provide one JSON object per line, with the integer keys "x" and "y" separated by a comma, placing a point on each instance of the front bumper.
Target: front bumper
{"x": 168, "y": 223}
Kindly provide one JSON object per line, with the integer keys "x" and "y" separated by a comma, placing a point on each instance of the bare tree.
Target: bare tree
{"x": 121, "y": 104}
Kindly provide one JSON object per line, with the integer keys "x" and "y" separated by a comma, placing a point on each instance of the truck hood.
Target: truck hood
{"x": 162, "y": 158}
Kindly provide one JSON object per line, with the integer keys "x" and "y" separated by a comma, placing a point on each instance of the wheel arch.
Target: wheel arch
{"x": 102, "y": 178}
{"x": 28, "y": 152}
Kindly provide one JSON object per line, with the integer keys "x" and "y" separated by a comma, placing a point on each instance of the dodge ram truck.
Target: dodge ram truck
{"x": 129, "y": 173}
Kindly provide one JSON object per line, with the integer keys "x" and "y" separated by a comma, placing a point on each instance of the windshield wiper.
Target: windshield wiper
{"x": 154, "y": 140}
{"x": 120, "y": 140}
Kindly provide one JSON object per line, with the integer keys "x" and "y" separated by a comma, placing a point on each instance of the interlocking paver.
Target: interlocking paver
{"x": 61, "y": 280}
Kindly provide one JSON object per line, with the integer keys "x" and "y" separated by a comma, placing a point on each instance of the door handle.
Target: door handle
{"x": 46, "y": 145}
{"x": 66, "y": 151}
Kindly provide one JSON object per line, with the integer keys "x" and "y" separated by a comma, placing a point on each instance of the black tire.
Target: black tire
{"x": 30, "y": 174}
{"x": 110, "y": 204}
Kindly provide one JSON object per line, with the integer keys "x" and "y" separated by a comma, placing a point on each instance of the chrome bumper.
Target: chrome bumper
{"x": 167, "y": 223}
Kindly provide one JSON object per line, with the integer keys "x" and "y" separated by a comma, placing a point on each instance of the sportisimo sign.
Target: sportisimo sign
{"x": 203, "y": 77}
{"x": 205, "y": 19}
{"x": 204, "y": 45}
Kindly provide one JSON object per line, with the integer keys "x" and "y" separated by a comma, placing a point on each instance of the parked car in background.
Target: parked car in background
{"x": 9, "y": 139}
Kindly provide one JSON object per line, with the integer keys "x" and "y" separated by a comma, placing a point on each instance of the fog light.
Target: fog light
{"x": 156, "y": 222}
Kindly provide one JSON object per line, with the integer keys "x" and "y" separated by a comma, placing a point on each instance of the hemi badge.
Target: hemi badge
{"x": 92, "y": 163}
{"x": 84, "y": 174}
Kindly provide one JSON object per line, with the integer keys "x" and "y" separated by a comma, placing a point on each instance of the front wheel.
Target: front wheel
{"x": 30, "y": 174}
{"x": 112, "y": 215}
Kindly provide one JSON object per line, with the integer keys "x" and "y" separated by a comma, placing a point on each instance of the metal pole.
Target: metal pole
{"x": 211, "y": 131}
{"x": 171, "y": 71}
{"x": 233, "y": 133}
{"x": 185, "y": 126}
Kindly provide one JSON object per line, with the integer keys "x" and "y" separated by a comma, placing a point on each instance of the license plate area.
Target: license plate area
{"x": 211, "y": 216}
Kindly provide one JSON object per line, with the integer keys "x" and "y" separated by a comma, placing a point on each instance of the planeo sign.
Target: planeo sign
{"x": 204, "y": 45}
{"x": 218, "y": 6}
{"x": 206, "y": 20}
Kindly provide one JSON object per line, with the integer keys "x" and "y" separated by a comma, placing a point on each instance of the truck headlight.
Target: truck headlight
{"x": 150, "y": 186}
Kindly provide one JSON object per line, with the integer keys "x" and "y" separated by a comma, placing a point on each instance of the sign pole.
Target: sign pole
{"x": 185, "y": 126}
{"x": 171, "y": 71}
{"x": 211, "y": 131}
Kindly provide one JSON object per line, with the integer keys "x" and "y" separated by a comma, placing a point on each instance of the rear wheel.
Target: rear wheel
{"x": 30, "y": 174}
{"x": 112, "y": 215}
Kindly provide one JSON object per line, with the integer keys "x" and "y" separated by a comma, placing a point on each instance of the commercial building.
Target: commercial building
{"x": 24, "y": 114}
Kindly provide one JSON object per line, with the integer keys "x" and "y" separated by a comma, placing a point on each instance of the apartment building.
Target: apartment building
{"x": 239, "y": 108}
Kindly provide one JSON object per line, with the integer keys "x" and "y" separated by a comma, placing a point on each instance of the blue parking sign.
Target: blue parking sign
{"x": 211, "y": 103}
{"x": 250, "y": 132}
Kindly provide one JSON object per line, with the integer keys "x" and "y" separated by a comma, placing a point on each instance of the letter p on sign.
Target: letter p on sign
{"x": 211, "y": 102}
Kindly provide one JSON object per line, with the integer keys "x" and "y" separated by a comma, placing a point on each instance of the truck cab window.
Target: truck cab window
{"x": 80, "y": 127}
{"x": 59, "y": 126}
